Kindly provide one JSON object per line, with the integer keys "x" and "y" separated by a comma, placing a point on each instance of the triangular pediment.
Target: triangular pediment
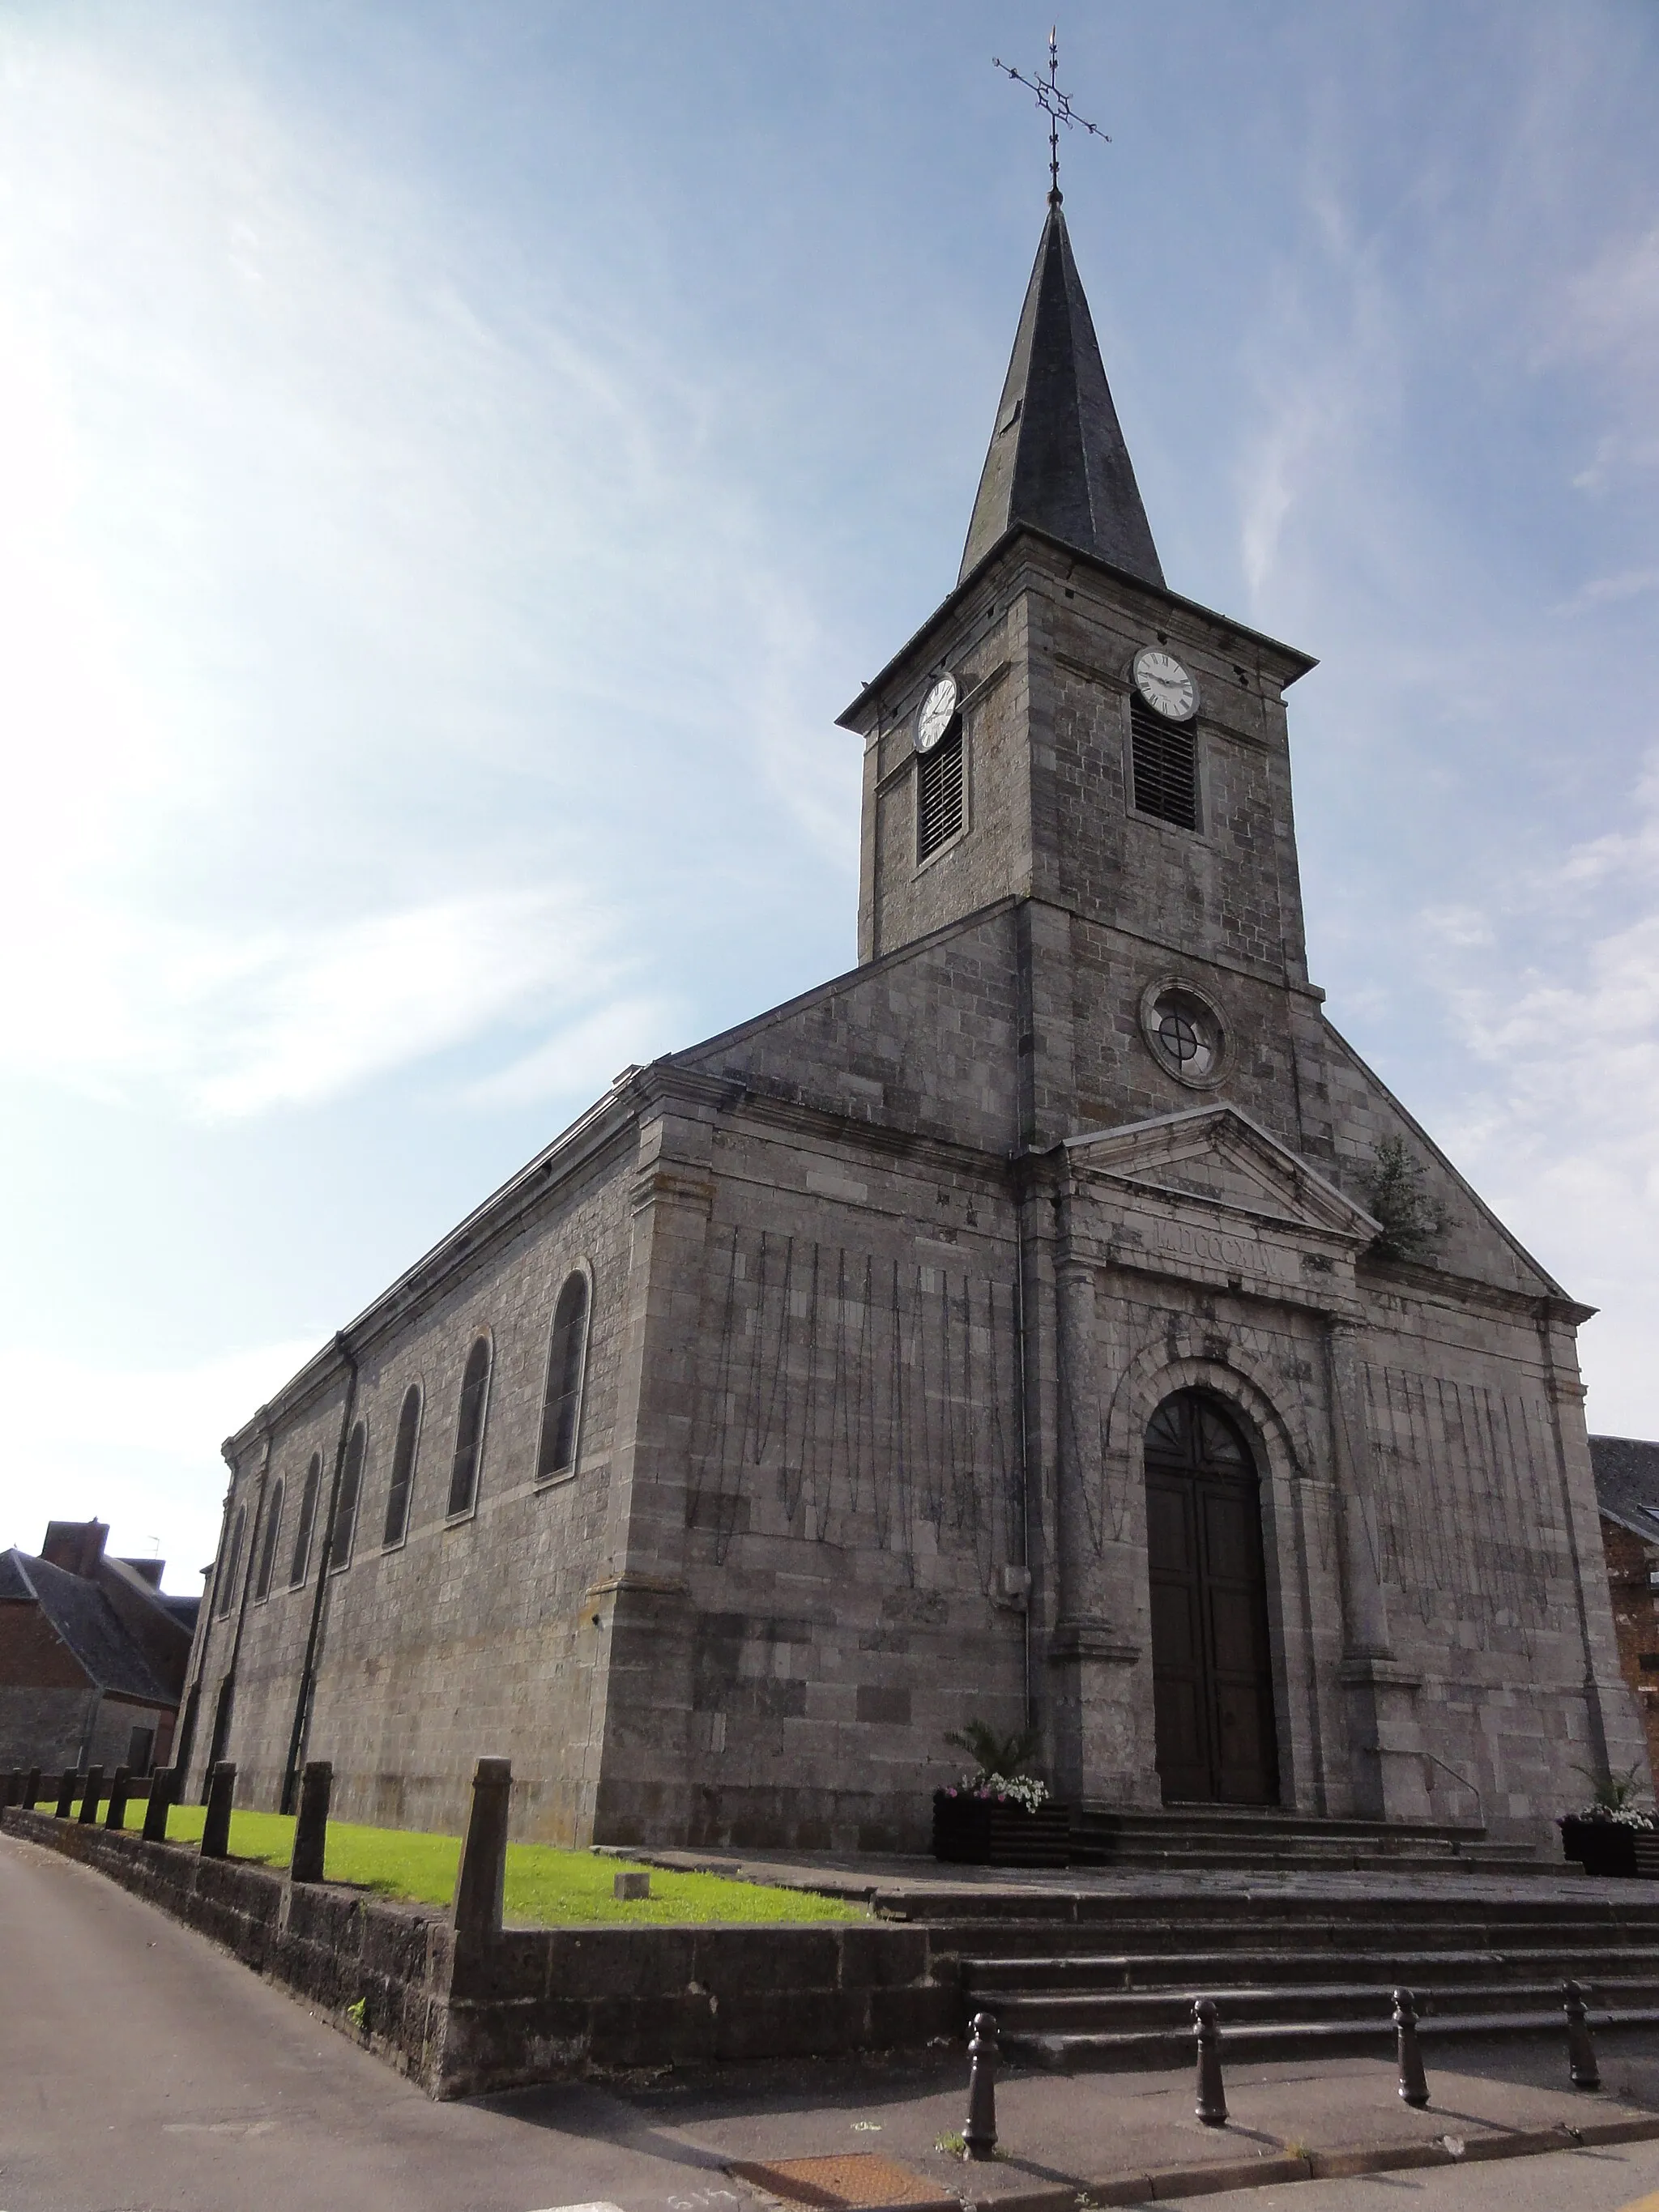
{"x": 1216, "y": 1156}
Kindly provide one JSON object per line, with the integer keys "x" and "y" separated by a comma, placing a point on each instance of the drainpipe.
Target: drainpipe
{"x": 184, "y": 1741}
{"x": 84, "y": 1757}
{"x": 309, "y": 1671}
{"x": 249, "y": 1554}
{"x": 1024, "y": 1431}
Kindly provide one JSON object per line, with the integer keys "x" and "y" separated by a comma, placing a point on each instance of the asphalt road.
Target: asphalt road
{"x": 1622, "y": 2180}
{"x": 140, "y": 2068}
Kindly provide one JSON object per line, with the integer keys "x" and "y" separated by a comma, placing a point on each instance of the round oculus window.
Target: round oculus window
{"x": 1185, "y": 1032}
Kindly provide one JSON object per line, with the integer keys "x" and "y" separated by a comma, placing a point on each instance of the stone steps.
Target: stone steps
{"x": 1044, "y": 2013}
{"x": 1221, "y": 1836}
{"x": 1358, "y": 2036}
{"x": 1024, "y": 1979}
{"x": 1296, "y": 1970}
{"x": 1479, "y": 1858}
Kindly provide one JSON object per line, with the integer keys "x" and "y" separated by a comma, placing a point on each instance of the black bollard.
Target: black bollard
{"x": 979, "y": 2134}
{"x": 11, "y": 1793}
{"x": 90, "y": 1795}
{"x": 66, "y": 1789}
{"x": 1414, "y": 2083}
{"x": 311, "y": 1829}
{"x": 216, "y": 1829}
{"x": 1581, "y": 2051}
{"x": 117, "y": 1815}
{"x": 163, "y": 1786}
{"x": 32, "y": 1788}
{"x": 1212, "y": 2105}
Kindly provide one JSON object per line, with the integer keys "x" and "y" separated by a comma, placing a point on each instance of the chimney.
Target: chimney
{"x": 76, "y": 1546}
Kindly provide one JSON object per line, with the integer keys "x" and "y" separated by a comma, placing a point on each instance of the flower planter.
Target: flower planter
{"x": 1609, "y": 1847}
{"x": 972, "y": 1831}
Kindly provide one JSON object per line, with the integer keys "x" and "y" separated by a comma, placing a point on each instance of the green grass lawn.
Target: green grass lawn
{"x": 546, "y": 1887}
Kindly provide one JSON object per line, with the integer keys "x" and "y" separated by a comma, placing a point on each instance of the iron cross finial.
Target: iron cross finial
{"x": 1057, "y": 107}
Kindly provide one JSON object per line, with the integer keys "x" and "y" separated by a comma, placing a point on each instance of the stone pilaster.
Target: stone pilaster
{"x": 1385, "y": 1733}
{"x": 637, "y": 1606}
{"x": 1097, "y": 1668}
{"x": 1618, "y": 1741}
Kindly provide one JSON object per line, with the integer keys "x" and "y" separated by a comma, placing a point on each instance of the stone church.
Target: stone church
{"x": 1051, "y": 1318}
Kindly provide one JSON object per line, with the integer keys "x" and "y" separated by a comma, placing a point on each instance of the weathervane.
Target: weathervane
{"x": 1058, "y": 109}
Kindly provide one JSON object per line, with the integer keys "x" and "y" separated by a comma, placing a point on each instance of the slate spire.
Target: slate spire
{"x": 1057, "y": 457}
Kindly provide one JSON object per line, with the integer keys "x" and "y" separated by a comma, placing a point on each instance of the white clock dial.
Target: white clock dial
{"x": 937, "y": 710}
{"x": 1163, "y": 684}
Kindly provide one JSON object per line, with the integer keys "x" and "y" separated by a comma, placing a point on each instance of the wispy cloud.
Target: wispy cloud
{"x": 1557, "y": 1123}
{"x": 1606, "y": 591}
{"x": 328, "y": 529}
{"x": 580, "y": 1060}
{"x": 136, "y": 1447}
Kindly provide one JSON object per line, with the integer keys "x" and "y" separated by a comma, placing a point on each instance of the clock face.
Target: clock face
{"x": 937, "y": 710}
{"x": 1163, "y": 682}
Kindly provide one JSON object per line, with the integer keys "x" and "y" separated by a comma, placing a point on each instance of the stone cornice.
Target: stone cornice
{"x": 1412, "y": 1276}
{"x": 1022, "y": 540}
{"x": 607, "y": 1122}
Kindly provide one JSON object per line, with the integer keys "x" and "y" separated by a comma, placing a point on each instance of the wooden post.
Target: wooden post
{"x": 117, "y": 1815}
{"x": 163, "y": 1786}
{"x": 216, "y": 1830}
{"x": 90, "y": 1796}
{"x": 32, "y": 1788}
{"x": 311, "y": 1827}
{"x": 67, "y": 1784}
{"x": 481, "y": 1878}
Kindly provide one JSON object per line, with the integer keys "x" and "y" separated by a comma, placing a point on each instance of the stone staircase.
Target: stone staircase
{"x": 1194, "y": 1837}
{"x": 1295, "y": 1973}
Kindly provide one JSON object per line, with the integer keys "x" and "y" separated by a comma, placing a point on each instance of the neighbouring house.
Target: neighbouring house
{"x": 1627, "y": 1492}
{"x": 93, "y": 1653}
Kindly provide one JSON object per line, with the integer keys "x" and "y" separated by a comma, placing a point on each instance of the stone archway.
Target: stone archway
{"x": 1213, "y": 1690}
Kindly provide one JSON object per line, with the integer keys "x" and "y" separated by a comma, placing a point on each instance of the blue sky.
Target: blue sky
{"x": 456, "y": 461}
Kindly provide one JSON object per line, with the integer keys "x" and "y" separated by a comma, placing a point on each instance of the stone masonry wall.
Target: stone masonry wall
{"x": 472, "y": 1628}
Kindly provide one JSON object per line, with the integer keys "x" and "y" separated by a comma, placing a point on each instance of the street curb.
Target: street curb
{"x": 1214, "y": 2181}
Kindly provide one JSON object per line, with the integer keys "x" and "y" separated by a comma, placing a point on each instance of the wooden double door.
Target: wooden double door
{"x": 1211, "y": 1663}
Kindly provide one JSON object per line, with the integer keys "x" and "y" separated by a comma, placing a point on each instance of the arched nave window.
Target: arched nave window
{"x": 469, "y": 1430}
{"x": 403, "y": 1468}
{"x": 566, "y": 1361}
{"x": 273, "y": 1532}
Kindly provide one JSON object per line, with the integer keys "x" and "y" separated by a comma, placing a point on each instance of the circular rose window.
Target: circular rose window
{"x": 1185, "y": 1032}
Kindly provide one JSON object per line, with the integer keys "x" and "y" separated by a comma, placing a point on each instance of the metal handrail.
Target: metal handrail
{"x": 1462, "y": 1782}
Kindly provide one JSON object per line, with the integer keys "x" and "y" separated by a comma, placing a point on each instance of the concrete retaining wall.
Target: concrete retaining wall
{"x": 533, "y": 2005}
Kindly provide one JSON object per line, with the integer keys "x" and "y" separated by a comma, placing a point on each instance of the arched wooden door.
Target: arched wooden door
{"x": 1212, "y": 1665}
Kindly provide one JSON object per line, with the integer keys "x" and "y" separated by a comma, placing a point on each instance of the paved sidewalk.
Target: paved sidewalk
{"x": 1108, "y": 2134}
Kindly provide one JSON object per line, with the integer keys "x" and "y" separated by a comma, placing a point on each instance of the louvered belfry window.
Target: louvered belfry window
{"x": 938, "y": 793}
{"x": 1165, "y": 757}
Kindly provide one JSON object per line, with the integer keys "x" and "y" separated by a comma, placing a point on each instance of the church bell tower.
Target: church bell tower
{"x": 1068, "y": 732}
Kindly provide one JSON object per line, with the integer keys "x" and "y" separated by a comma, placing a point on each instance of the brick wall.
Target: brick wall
{"x": 1631, "y": 1563}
